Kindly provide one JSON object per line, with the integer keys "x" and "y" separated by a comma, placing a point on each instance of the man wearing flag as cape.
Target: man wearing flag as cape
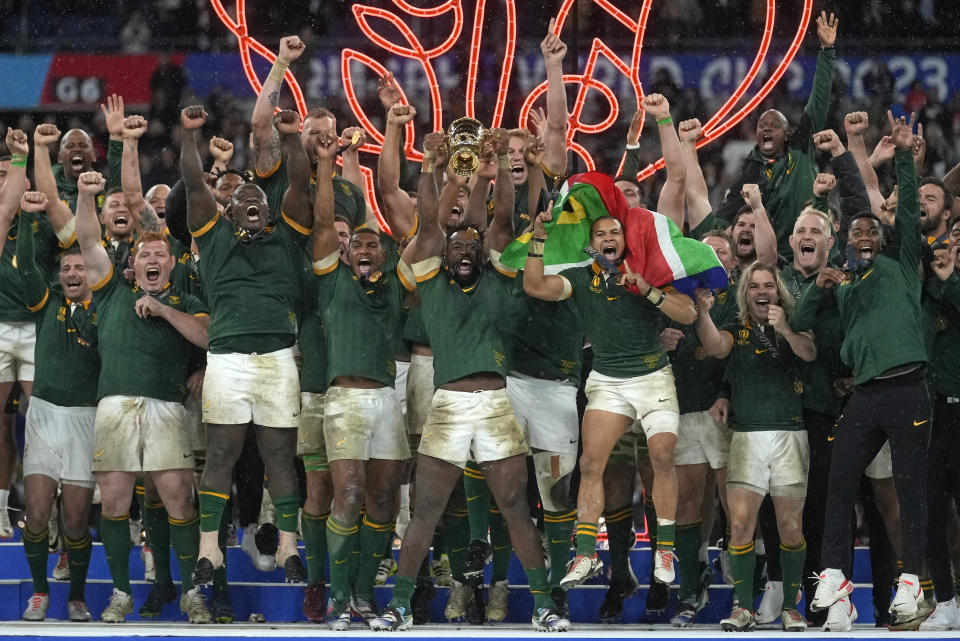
{"x": 637, "y": 265}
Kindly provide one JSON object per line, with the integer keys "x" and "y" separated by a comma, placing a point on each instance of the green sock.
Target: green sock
{"x": 340, "y": 541}
{"x": 743, "y": 561}
{"x": 403, "y": 587}
{"x": 288, "y": 508}
{"x": 688, "y": 553}
{"x": 650, "y": 515}
{"x": 315, "y": 544}
{"x": 115, "y": 533}
{"x": 220, "y": 574}
{"x": 353, "y": 566}
{"x": 35, "y": 547}
{"x": 559, "y": 530}
{"x": 157, "y": 526}
{"x": 500, "y": 542}
{"x": 185, "y": 538}
{"x": 621, "y": 539}
{"x": 478, "y": 501}
{"x": 78, "y": 556}
{"x": 539, "y": 588}
{"x": 667, "y": 536}
{"x": 586, "y": 539}
{"x": 140, "y": 494}
{"x": 439, "y": 543}
{"x": 212, "y": 504}
{"x": 456, "y": 532}
{"x": 373, "y": 540}
{"x": 792, "y": 558}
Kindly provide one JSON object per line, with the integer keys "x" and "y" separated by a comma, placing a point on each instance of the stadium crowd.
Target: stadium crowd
{"x": 180, "y": 331}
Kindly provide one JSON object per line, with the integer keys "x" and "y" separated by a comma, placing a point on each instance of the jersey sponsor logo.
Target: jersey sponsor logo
{"x": 174, "y": 299}
{"x": 760, "y": 351}
{"x": 700, "y": 353}
{"x": 917, "y": 423}
{"x": 499, "y": 358}
{"x": 940, "y": 324}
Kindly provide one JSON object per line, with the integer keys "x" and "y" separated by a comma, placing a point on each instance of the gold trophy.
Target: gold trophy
{"x": 465, "y": 138}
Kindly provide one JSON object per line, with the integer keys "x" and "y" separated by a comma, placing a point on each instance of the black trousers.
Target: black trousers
{"x": 943, "y": 473}
{"x": 898, "y": 409}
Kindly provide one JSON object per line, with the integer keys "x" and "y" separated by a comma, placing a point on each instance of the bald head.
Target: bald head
{"x": 77, "y": 154}
{"x": 772, "y": 133}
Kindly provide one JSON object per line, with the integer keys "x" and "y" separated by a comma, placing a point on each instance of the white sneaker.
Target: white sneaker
{"x": 663, "y": 567}
{"x": 149, "y": 567}
{"x": 37, "y": 607}
{"x": 77, "y": 611}
{"x": 192, "y": 604}
{"x": 248, "y": 544}
{"x": 831, "y": 586}
{"x": 6, "y": 530}
{"x": 61, "y": 571}
{"x": 906, "y": 602}
{"x": 945, "y": 617}
{"x": 121, "y": 604}
{"x": 840, "y": 616}
{"x": 769, "y": 609}
{"x": 580, "y": 569}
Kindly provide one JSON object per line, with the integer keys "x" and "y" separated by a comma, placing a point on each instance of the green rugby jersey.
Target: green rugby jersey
{"x": 13, "y": 304}
{"x": 141, "y": 356}
{"x": 65, "y": 357}
{"x": 819, "y": 374}
{"x": 470, "y": 330}
{"x": 348, "y": 199}
{"x": 361, "y": 322}
{"x": 549, "y": 339}
{"x": 765, "y": 391}
{"x": 941, "y": 308}
{"x": 623, "y": 328}
{"x": 252, "y": 287}
{"x": 699, "y": 376}
{"x": 413, "y": 329}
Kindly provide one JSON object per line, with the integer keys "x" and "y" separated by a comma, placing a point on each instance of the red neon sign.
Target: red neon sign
{"x": 412, "y": 48}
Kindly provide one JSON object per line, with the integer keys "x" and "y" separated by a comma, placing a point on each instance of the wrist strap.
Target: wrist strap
{"x": 18, "y": 160}
{"x": 278, "y": 70}
{"x": 665, "y": 121}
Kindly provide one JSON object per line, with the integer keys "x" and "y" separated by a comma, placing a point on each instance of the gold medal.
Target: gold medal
{"x": 375, "y": 276}
{"x": 355, "y": 138}
{"x": 847, "y": 276}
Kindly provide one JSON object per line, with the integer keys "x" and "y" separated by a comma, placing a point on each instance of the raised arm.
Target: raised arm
{"x": 354, "y": 138}
{"x": 855, "y": 124}
{"x": 61, "y": 218}
{"x": 326, "y": 244}
{"x": 266, "y": 139}
{"x": 429, "y": 240}
{"x": 13, "y": 186}
{"x": 501, "y": 228}
{"x": 555, "y": 137}
{"x": 764, "y": 238}
{"x": 670, "y": 202}
{"x": 535, "y": 283}
{"x": 34, "y": 284}
{"x": 716, "y": 343}
{"x": 818, "y": 104}
{"x": 533, "y": 158}
{"x": 144, "y": 216}
{"x": 113, "y": 118}
{"x": 296, "y": 200}
{"x": 631, "y": 152}
{"x": 695, "y": 190}
{"x": 201, "y": 205}
{"x": 95, "y": 258}
{"x": 397, "y": 206}
{"x": 221, "y": 150}
{"x": 907, "y": 222}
